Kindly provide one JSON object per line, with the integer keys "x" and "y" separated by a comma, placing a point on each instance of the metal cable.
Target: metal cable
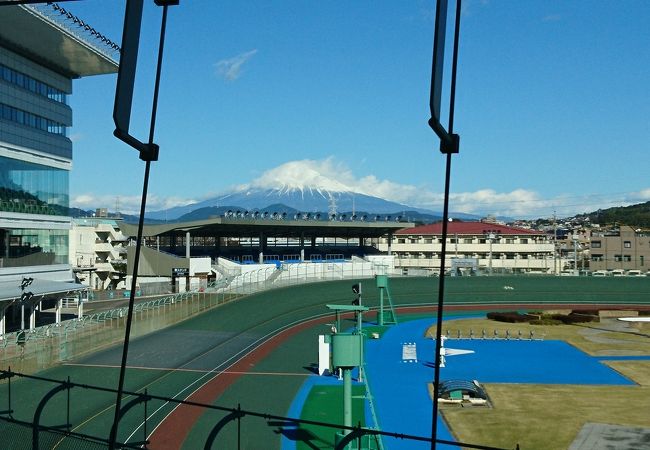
{"x": 445, "y": 222}
{"x": 129, "y": 319}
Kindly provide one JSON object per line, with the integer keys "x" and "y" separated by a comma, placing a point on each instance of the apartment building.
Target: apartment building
{"x": 486, "y": 247}
{"x": 624, "y": 248}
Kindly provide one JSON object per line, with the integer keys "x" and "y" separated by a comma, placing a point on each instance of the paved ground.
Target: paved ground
{"x": 600, "y": 436}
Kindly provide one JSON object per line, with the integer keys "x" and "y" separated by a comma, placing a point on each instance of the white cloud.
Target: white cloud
{"x": 325, "y": 174}
{"x": 76, "y": 137}
{"x": 231, "y": 68}
{"x": 468, "y": 6}
{"x": 127, "y": 204}
{"x": 552, "y": 18}
{"x": 643, "y": 195}
{"x": 331, "y": 175}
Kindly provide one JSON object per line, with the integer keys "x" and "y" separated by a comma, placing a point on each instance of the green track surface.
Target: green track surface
{"x": 204, "y": 342}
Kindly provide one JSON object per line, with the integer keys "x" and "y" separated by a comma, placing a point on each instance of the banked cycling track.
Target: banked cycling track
{"x": 256, "y": 352}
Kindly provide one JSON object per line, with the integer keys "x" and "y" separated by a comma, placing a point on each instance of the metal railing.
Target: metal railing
{"x": 78, "y": 28}
{"x": 167, "y": 310}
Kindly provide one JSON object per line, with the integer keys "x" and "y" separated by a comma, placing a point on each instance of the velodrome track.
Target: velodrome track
{"x": 177, "y": 361}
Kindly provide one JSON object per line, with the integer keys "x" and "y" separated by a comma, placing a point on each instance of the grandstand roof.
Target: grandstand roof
{"x": 472, "y": 228}
{"x": 31, "y": 33}
{"x": 229, "y": 227}
{"x": 39, "y": 288}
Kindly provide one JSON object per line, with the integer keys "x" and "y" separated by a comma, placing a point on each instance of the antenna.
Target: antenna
{"x": 332, "y": 205}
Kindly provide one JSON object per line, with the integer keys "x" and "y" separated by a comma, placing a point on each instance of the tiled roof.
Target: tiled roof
{"x": 473, "y": 228}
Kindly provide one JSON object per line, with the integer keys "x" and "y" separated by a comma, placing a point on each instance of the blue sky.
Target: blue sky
{"x": 553, "y": 104}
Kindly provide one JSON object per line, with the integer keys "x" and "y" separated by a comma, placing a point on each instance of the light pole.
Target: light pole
{"x": 490, "y": 236}
{"x": 575, "y": 238}
{"x": 555, "y": 271}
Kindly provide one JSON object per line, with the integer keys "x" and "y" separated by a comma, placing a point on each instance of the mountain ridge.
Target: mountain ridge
{"x": 311, "y": 200}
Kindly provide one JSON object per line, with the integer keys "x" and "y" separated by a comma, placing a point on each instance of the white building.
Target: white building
{"x": 98, "y": 252}
{"x": 489, "y": 247}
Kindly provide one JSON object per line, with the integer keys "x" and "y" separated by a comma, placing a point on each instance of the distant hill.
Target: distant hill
{"x": 634, "y": 215}
{"x": 76, "y": 212}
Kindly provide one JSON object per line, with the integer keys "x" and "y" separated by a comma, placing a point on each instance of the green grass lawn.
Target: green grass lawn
{"x": 325, "y": 404}
{"x": 592, "y": 338}
{"x": 549, "y": 417}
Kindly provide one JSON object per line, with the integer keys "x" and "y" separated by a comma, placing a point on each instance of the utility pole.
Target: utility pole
{"x": 575, "y": 254}
{"x": 554, "y": 245}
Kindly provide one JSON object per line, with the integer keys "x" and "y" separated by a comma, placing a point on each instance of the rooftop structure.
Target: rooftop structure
{"x": 56, "y": 39}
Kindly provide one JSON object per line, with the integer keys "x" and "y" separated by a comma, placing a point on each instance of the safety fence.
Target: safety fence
{"x": 41, "y": 347}
{"x": 296, "y": 273}
{"x": 230, "y": 425}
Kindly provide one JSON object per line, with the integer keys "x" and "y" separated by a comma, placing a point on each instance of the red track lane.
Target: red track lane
{"x": 174, "y": 429}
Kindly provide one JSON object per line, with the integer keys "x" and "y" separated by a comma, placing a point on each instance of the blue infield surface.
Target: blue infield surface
{"x": 400, "y": 388}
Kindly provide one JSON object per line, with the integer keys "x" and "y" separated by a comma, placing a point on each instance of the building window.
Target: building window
{"x": 641, "y": 260}
{"x": 627, "y": 244}
{"x": 618, "y": 258}
{"x": 627, "y": 258}
{"x": 42, "y": 247}
{"x": 523, "y": 241}
{"x": 401, "y": 241}
{"x": 595, "y": 244}
{"x": 33, "y": 188}
{"x": 428, "y": 241}
{"x": 468, "y": 241}
{"x": 37, "y": 87}
{"x": 510, "y": 241}
{"x": 31, "y": 120}
{"x": 596, "y": 257}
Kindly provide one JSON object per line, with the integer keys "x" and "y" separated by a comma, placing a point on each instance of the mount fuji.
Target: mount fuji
{"x": 309, "y": 187}
{"x": 310, "y": 200}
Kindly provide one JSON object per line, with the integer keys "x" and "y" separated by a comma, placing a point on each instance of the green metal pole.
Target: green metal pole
{"x": 360, "y": 331}
{"x": 381, "y": 307}
{"x": 347, "y": 398}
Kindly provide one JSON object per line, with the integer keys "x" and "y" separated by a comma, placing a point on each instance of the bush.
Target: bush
{"x": 546, "y": 321}
{"x": 575, "y": 318}
{"x": 510, "y": 317}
